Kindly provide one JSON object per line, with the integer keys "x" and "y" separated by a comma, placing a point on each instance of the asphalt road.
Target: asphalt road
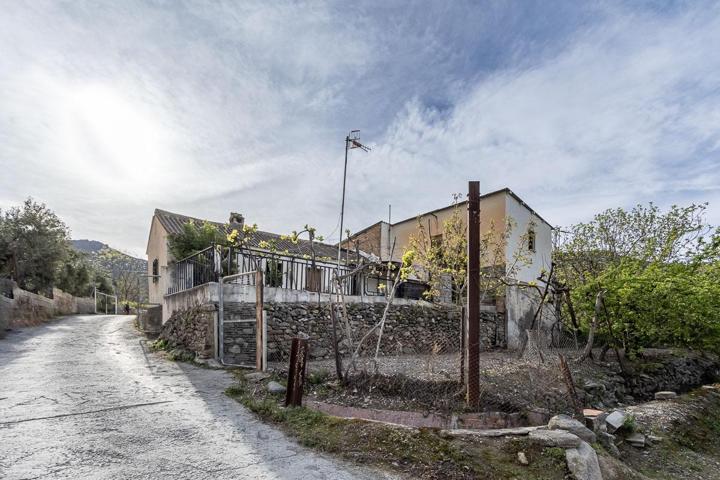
{"x": 82, "y": 397}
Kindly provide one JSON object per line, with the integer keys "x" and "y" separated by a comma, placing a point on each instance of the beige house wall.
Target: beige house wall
{"x": 492, "y": 217}
{"x": 157, "y": 249}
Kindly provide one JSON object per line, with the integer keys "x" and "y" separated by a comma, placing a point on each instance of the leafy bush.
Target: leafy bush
{"x": 656, "y": 274}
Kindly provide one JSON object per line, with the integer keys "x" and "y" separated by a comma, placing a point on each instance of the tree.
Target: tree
{"x": 443, "y": 263}
{"x": 654, "y": 272}
{"x": 195, "y": 237}
{"x": 75, "y": 275}
{"x": 35, "y": 242}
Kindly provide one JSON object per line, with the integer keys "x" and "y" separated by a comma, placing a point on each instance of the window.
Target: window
{"x": 155, "y": 271}
{"x": 531, "y": 240}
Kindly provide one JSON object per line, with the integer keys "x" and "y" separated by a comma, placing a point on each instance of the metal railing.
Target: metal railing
{"x": 279, "y": 271}
{"x": 294, "y": 273}
{"x": 195, "y": 270}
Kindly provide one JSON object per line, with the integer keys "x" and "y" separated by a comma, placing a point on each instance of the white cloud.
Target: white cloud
{"x": 628, "y": 112}
{"x": 110, "y": 110}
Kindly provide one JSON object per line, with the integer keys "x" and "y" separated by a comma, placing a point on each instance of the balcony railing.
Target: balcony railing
{"x": 280, "y": 271}
{"x": 198, "y": 269}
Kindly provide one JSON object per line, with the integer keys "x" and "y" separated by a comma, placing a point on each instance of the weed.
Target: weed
{"x": 629, "y": 424}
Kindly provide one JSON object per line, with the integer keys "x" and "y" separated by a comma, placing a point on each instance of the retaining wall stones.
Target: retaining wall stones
{"x": 191, "y": 328}
{"x": 20, "y": 308}
{"x": 409, "y": 329}
{"x": 675, "y": 371}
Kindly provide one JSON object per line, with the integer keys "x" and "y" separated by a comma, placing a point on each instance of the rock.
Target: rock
{"x": 636, "y": 440}
{"x": 596, "y": 424}
{"x": 583, "y": 462}
{"x": 665, "y": 395}
{"x": 569, "y": 424}
{"x": 275, "y": 387}
{"x": 607, "y": 440}
{"x": 212, "y": 363}
{"x": 554, "y": 438}
{"x": 522, "y": 459}
{"x": 615, "y": 420}
{"x": 654, "y": 438}
{"x": 257, "y": 376}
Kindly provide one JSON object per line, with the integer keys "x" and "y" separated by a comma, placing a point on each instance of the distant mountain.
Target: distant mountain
{"x": 127, "y": 272}
{"x": 88, "y": 245}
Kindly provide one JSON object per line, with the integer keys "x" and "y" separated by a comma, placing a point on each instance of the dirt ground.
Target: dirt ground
{"x": 432, "y": 382}
{"x": 689, "y": 429}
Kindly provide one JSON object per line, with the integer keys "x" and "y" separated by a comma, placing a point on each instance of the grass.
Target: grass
{"x": 422, "y": 453}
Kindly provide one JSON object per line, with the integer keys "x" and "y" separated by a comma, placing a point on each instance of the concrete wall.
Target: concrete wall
{"x": 536, "y": 260}
{"x": 26, "y": 309}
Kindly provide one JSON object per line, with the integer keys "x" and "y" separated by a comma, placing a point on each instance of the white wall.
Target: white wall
{"x": 539, "y": 259}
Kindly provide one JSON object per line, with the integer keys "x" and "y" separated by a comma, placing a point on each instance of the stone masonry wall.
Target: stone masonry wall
{"x": 192, "y": 329}
{"x": 239, "y": 341}
{"x": 409, "y": 329}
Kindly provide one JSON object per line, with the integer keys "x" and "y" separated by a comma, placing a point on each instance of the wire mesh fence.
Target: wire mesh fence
{"x": 400, "y": 366}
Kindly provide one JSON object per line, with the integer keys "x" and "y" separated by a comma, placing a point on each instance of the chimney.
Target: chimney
{"x": 237, "y": 220}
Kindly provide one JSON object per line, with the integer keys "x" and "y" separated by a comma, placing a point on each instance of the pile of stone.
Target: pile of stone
{"x": 606, "y": 428}
{"x": 565, "y": 432}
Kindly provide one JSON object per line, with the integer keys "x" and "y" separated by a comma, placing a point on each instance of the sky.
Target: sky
{"x": 109, "y": 109}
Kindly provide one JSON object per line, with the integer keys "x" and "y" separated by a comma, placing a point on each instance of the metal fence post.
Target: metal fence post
{"x": 259, "y": 327}
{"x": 473, "y": 308}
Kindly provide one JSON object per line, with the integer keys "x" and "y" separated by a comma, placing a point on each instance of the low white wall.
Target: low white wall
{"x": 234, "y": 293}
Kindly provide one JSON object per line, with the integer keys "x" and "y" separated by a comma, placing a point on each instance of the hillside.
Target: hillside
{"x": 125, "y": 270}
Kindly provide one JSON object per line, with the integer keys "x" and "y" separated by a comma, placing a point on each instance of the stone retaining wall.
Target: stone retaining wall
{"x": 675, "y": 371}
{"x": 409, "y": 329}
{"x": 193, "y": 329}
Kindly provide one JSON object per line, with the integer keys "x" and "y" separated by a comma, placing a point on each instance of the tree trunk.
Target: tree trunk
{"x": 593, "y": 327}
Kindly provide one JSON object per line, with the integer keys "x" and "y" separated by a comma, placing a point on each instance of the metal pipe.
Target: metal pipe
{"x": 473, "y": 300}
{"x": 342, "y": 204}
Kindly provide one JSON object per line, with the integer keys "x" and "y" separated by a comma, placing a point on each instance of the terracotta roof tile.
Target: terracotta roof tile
{"x": 173, "y": 224}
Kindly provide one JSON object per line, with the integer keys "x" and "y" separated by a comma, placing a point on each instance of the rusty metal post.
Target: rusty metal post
{"x": 259, "y": 325}
{"x": 473, "y": 299}
{"x": 296, "y": 374}
{"x": 336, "y": 347}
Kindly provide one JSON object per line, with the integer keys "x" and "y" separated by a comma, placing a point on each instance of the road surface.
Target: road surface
{"x": 83, "y": 397}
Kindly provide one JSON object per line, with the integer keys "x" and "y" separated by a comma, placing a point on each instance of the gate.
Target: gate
{"x": 242, "y": 332}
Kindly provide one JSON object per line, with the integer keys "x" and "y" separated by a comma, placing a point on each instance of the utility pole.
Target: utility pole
{"x": 352, "y": 140}
{"x": 473, "y": 299}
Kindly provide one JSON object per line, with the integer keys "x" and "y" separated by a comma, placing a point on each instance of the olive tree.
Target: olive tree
{"x": 33, "y": 244}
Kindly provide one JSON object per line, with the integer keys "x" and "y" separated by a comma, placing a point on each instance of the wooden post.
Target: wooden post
{"x": 259, "y": 325}
{"x": 296, "y": 373}
{"x": 473, "y": 299}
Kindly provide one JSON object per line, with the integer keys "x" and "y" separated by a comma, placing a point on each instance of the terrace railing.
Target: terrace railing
{"x": 198, "y": 269}
{"x": 294, "y": 273}
{"x": 279, "y": 271}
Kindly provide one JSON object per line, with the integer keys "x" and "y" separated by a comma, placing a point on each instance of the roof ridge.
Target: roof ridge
{"x": 223, "y": 224}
